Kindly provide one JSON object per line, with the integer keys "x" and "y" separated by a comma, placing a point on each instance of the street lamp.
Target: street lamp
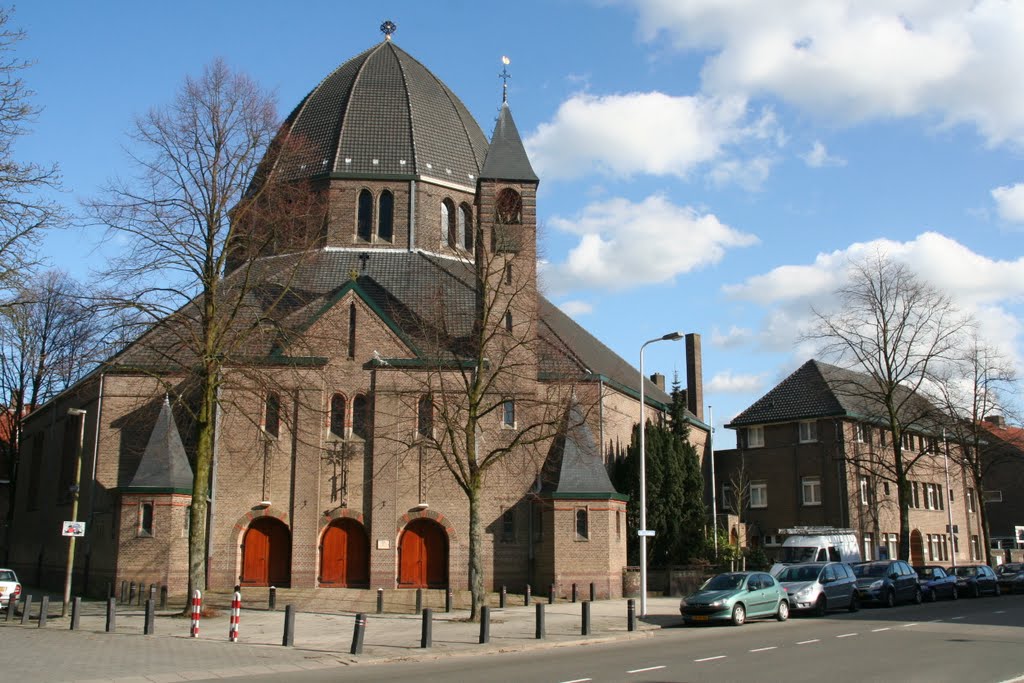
{"x": 74, "y": 506}
{"x": 642, "y": 531}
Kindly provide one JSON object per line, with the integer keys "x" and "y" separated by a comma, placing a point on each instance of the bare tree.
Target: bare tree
{"x": 24, "y": 212}
{"x": 196, "y": 218}
{"x": 969, "y": 389}
{"x": 893, "y": 329}
{"x": 49, "y": 339}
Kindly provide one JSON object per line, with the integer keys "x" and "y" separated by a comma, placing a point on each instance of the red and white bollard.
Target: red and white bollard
{"x": 197, "y": 608}
{"x": 236, "y": 613}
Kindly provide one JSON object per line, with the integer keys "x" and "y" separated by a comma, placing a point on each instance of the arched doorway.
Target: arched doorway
{"x": 423, "y": 555}
{"x": 266, "y": 553}
{"x": 345, "y": 555}
{"x": 916, "y": 548}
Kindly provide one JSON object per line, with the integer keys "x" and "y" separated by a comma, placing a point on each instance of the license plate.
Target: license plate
{"x": 700, "y": 617}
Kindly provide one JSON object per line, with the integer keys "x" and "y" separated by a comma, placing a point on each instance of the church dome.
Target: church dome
{"x": 382, "y": 114}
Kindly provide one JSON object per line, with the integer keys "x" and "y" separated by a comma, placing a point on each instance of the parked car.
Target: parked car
{"x": 936, "y": 583}
{"x": 736, "y": 597}
{"x": 9, "y": 587}
{"x": 820, "y": 586}
{"x": 975, "y": 580}
{"x": 1010, "y": 576}
{"x": 887, "y": 582}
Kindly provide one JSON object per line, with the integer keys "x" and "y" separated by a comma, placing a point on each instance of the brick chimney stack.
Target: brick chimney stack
{"x": 659, "y": 380}
{"x": 996, "y": 420}
{"x": 694, "y": 377}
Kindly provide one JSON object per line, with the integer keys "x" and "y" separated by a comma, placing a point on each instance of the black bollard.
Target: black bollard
{"x": 44, "y": 607}
{"x": 357, "y": 634}
{"x": 149, "y": 627}
{"x": 272, "y": 599}
{"x": 503, "y": 597}
{"x": 76, "y": 611}
{"x": 111, "y": 615}
{"x": 289, "y": 626}
{"x": 12, "y": 606}
{"x": 124, "y": 592}
{"x": 631, "y": 615}
{"x": 380, "y": 601}
{"x": 551, "y": 594}
{"x": 539, "y": 632}
{"x": 574, "y": 592}
{"x": 585, "y": 628}
{"x": 526, "y": 596}
{"x": 427, "y": 634}
{"x": 110, "y": 589}
{"x": 593, "y": 592}
{"x": 448, "y": 600}
{"x": 163, "y": 597}
{"x": 26, "y": 609}
{"x": 152, "y": 592}
{"x": 485, "y": 625}
{"x": 131, "y": 593}
{"x": 419, "y": 600}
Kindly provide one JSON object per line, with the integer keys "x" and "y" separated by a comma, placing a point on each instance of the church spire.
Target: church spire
{"x": 506, "y": 157}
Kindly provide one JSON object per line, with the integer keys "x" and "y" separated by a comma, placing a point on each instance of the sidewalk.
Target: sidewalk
{"x": 321, "y": 640}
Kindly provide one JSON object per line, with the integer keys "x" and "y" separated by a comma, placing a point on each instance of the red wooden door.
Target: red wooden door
{"x": 345, "y": 555}
{"x": 423, "y": 556}
{"x": 266, "y": 554}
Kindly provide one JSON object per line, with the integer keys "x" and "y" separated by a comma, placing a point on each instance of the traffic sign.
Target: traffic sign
{"x": 73, "y": 529}
{"x": 645, "y": 532}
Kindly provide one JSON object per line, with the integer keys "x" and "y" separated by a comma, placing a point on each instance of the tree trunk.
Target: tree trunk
{"x": 983, "y": 517}
{"x": 201, "y": 486}
{"x": 903, "y": 489}
{"x": 476, "y": 550}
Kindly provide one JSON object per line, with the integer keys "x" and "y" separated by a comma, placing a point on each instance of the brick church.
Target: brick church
{"x": 322, "y": 479}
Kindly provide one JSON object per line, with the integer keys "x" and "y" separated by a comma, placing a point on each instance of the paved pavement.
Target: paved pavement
{"x": 55, "y": 653}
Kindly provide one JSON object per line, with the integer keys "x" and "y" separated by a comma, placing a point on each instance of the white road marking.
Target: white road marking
{"x": 955, "y": 618}
{"x": 846, "y": 635}
{"x": 650, "y": 668}
{"x": 1000, "y": 611}
{"x": 579, "y": 680}
{"x": 765, "y": 649}
{"x": 909, "y": 625}
{"x": 709, "y": 659}
{"x": 808, "y": 642}
{"x": 876, "y": 630}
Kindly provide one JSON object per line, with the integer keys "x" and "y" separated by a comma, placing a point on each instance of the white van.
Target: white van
{"x": 819, "y": 544}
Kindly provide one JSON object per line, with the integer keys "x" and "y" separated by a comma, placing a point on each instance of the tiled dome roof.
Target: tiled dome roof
{"x": 382, "y": 114}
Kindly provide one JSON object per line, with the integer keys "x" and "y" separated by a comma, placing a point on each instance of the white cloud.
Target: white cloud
{"x": 749, "y": 174}
{"x": 625, "y": 244}
{"x": 817, "y": 157}
{"x": 852, "y": 60}
{"x": 575, "y": 307}
{"x": 735, "y": 336}
{"x": 643, "y": 133}
{"x": 728, "y": 383}
{"x": 1010, "y": 202}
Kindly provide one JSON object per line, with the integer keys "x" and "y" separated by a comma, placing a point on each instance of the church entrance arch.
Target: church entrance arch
{"x": 266, "y": 553}
{"x": 345, "y": 555}
{"x": 916, "y": 548}
{"x": 423, "y": 555}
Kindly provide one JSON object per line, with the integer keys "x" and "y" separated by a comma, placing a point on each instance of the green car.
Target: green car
{"x": 736, "y": 597}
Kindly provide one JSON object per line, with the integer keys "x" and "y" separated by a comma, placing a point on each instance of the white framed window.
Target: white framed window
{"x": 892, "y": 545}
{"x": 971, "y": 501}
{"x": 863, "y": 432}
{"x": 811, "y": 490}
{"x": 755, "y": 437}
{"x": 508, "y": 414}
{"x": 869, "y": 546}
{"x": 975, "y": 547}
{"x": 772, "y": 539}
{"x": 808, "y": 432}
{"x": 758, "y": 494}
{"x": 728, "y": 500}
{"x": 864, "y": 484}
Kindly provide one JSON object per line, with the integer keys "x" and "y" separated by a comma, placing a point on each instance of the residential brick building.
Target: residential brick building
{"x": 1003, "y": 466}
{"x": 318, "y": 482}
{"x": 811, "y": 454}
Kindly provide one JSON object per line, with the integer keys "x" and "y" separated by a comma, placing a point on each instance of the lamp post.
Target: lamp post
{"x": 948, "y": 502}
{"x": 74, "y": 506}
{"x": 714, "y": 499}
{"x": 642, "y": 531}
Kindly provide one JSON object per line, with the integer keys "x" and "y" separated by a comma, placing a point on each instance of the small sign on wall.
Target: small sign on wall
{"x": 73, "y": 529}
{"x": 383, "y": 544}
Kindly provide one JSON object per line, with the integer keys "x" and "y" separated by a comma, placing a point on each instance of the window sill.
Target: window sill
{"x": 811, "y": 505}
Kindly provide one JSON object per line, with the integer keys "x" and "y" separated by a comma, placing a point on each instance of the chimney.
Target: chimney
{"x": 997, "y": 420}
{"x": 659, "y": 380}
{"x": 694, "y": 377}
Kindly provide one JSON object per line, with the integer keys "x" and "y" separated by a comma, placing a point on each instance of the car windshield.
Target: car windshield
{"x": 7, "y": 575}
{"x": 796, "y": 554}
{"x": 925, "y": 572}
{"x": 724, "y": 582}
{"x": 800, "y": 573}
{"x": 1009, "y": 568}
{"x": 964, "y": 571}
{"x": 870, "y": 569}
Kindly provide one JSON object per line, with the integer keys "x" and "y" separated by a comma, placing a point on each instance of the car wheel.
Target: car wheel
{"x": 917, "y": 596}
{"x": 932, "y": 595}
{"x": 854, "y": 602}
{"x": 999, "y": 591}
{"x": 890, "y": 598}
{"x": 954, "y": 594}
{"x": 975, "y": 592}
{"x": 821, "y": 606}
{"x": 739, "y": 615}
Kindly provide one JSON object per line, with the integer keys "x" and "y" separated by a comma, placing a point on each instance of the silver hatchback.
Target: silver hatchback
{"x": 820, "y": 586}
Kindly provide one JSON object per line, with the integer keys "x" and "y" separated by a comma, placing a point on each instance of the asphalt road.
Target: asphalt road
{"x": 968, "y": 640}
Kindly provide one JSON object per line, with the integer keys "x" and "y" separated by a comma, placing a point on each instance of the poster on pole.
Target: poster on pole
{"x": 76, "y": 529}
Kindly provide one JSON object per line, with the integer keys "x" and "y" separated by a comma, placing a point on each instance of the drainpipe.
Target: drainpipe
{"x": 412, "y": 215}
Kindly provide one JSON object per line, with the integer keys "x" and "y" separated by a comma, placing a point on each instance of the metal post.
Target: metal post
{"x": 111, "y": 616}
{"x": 448, "y": 599}
{"x": 714, "y": 497}
{"x": 272, "y": 599}
{"x": 124, "y": 591}
{"x": 138, "y": 599}
{"x": 948, "y": 502}
{"x": 152, "y": 592}
{"x": 26, "y": 610}
{"x": 44, "y": 607}
{"x": 74, "y": 507}
{"x": 427, "y": 632}
{"x": 631, "y": 615}
{"x": 574, "y": 592}
{"x": 485, "y": 625}
{"x": 163, "y": 597}
{"x": 197, "y": 611}
{"x": 289, "y": 626}
{"x": 419, "y": 600}
{"x": 236, "y": 616}
{"x": 12, "y": 606}
{"x": 76, "y": 611}
{"x": 131, "y": 593}
{"x": 357, "y": 634}
{"x": 539, "y": 632}
{"x": 380, "y": 601}
{"x": 551, "y": 594}
{"x": 503, "y": 597}
{"x": 585, "y": 627}
{"x": 593, "y": 591}
{"x": 526, "y": 602}
{"x": 149, "y": 628}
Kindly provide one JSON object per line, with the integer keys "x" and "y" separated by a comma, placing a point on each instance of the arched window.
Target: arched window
{"x": 508, "y": 207}
{"x": 361, "y": 416}
{"x": 386, "y": 216}
{"x": 352, "y": 330}
{"x": 425, "y": 416}
{"x": 445, "y": 217}
{"x": 460, "y": 231}
{"x": 364, "y": 225}
{"x": 466, "y": 218}
{"x": 508, "y": 413}
{"x": 272, "y": 414}
{"x": 449, "y": 231}
{"x": 582, "y": 524}
{"x": 338, "y": 406}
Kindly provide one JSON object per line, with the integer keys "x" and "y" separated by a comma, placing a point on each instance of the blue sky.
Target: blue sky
{"x": 705, "y": 166}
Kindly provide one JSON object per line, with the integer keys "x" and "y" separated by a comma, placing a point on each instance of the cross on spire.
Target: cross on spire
{"x": 504, "y": 76}
{"x": 387, "y": 28}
